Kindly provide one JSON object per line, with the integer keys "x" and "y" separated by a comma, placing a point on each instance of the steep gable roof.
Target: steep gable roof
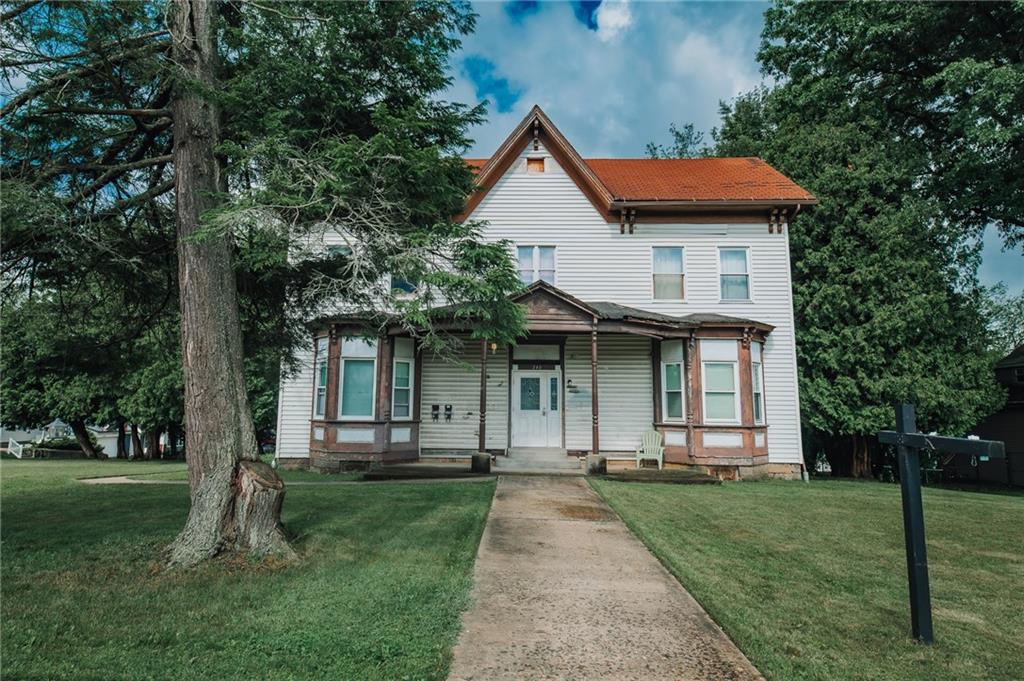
{"x": 613, "y": 185}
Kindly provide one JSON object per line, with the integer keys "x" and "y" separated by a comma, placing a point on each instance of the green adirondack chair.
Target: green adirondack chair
{"x": 651, "y": 449}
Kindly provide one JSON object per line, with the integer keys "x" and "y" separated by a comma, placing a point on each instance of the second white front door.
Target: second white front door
{"x": 537, "y": 408}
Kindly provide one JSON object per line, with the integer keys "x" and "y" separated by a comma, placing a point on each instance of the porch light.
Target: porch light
{"x": 494, "y": 348}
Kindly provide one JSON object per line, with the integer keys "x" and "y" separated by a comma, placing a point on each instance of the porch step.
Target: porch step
{"x": 537, "y": 460}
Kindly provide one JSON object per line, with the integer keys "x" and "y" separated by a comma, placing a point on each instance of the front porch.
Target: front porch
{"x": 590, "y": 378}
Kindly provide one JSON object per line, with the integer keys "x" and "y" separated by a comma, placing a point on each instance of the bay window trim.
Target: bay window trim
{"x": 317, "y": 387}
{"x": 342, "y": 362}
{"x": 411, "y": 361}
{"x": 681, "y": 362}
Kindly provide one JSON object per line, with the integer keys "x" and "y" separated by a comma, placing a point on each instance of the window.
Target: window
{"x": 339, "y": 250}
{"x": 668, "y": 273}
{"x": 357, "y": 379}
{"x": 536, "y": 263}
{"x": 535, "y": 165}
{"x": 734, "y": 273}
{"x": 672, "y": 395}
{"x": 719, "y": 364}
{"x": 553, "y": 393}
{"x": 320, "y": 375}
{"x": 1019, "y": 375}
{"x": 401, "y": 395}
{"x": 756, "y": 382}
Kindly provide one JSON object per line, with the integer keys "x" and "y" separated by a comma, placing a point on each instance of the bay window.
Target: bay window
{"x": 757, "y": 382}
{"x": 357, "y": 379}
{"x": 668, "y": 273}
{"x": 320, "y": 379}
{"x": 734, "y": 273}
{"x": 719, "y": 362}
{"x": 402, "y": 379}
{"x": 672, "y": 380}
{"x": 536, "y": 263}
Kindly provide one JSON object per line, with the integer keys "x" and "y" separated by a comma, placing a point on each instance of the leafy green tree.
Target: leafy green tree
{"x": 886, "y": 299}
{"x": 267, "y": 124}
{"x": 687, "y": 142}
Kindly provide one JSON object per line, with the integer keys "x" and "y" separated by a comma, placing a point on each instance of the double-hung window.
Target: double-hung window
{"x": 357, "y": 378}
{"x": 320, "y": 377}
{"x": 401, "y": 393}
{"x": 734, "y": 273}
{"x": 536, "y": 263}
{"x": 719, "y": 361}
{"x": 673, "y": 398}
{"x": 668, "y": 273}
{"x": 757, "y": 382}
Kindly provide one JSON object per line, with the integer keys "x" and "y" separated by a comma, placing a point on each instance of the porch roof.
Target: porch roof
{"x": 551, "y": 309}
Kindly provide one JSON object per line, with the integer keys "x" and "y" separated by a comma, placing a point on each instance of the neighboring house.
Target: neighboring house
{"x": 664, "y": 284}
{"x": 1006, "y": 425}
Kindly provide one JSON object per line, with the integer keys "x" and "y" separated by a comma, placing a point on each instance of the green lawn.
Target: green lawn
{"x": 810, "y": 580}
{"x": 385, "y": 574}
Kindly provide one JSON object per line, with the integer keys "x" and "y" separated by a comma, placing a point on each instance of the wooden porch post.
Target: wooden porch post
{"x": 594, "y": 432}
{"x": 482, "y": 444}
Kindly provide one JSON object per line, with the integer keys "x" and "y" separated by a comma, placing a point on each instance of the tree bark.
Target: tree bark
{"x": 172, "y": 440}
{"x": 122, "y": 452}
{"x": 136, "y": 452}
{"x": 861, "y": 457}
{"x": 236, "y": 504}
{"x": 153, "y": 443}
{"x": 82, "y": 435}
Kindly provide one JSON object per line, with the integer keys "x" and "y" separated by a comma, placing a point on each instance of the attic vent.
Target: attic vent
{"x": 535, "y": 165}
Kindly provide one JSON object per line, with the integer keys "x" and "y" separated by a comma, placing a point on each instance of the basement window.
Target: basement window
{"x": 535, "y": 165}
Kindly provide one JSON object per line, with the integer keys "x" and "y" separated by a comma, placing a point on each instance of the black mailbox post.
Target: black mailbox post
{"x": 909, "y": 444}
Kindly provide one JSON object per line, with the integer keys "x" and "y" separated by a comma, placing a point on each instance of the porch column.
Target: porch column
{"x": 482, "y": 444}
{"x": 594, "y": 430}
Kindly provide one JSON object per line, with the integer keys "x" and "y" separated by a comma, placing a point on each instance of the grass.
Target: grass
{"x": 810, "y": 580}
{"x": 384, "y": 576}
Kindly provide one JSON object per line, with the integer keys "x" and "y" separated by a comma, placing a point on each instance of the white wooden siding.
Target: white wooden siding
{"x": 295, "y": 409}
{"x": 458, "y": 384}
{"x": 625, "y": 391}
{"x": 596, "y": 263}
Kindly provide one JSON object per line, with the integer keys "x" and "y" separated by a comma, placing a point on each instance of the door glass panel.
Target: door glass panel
{"x": 529, "y": 393}
{"x": 553, "y": 382}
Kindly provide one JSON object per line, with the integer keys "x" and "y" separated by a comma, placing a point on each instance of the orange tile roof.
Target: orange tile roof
{"x": 690, "y": 179}
{"x": 695, "y": 179}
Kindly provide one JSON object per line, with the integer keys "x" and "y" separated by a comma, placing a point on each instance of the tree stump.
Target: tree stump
{"x": 258, "y": 498}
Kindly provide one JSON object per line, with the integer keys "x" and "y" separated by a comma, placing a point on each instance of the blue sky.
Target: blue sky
{"x": 614, "y": 75}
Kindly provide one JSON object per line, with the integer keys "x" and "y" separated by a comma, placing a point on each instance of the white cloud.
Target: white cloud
{"x": 670, "y": 63}
{"x": 613, "y": 18}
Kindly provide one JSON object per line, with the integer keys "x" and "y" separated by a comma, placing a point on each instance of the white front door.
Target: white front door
{"x": 537, "y": 408}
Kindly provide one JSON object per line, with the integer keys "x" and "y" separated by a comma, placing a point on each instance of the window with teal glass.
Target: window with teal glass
{"x": 529, "y": 393}
{"x": 358, "y": 372}
{"x": 672, "y": 377}
{"x": 320, "y": 372}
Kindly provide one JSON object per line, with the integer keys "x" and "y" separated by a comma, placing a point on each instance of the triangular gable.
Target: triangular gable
{"x": 545, "y": 302}
{"x": 538, "y": 127}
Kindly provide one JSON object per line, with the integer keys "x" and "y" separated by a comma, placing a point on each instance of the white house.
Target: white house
{"x": 658, "y": 297}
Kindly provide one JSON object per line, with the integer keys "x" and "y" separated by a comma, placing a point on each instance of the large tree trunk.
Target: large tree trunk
{"x": 122, "y": 452}
{"x": 172, "y": 440}
{"x": 861, "y": 457}
{"x": 136, "y": 443}
{"x": 153, "y": 443}
{"x": 82, "y": 435}
{"x": 236, "y": 501}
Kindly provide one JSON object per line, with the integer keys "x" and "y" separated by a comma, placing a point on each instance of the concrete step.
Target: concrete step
{"x": 533, "y": 462}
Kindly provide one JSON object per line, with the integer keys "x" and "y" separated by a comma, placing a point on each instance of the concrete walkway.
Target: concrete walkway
{"x": 563, "y": 590}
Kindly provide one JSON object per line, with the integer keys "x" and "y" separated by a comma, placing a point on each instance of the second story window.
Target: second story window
{"x": 402, "y": 286}
{"x": 668, "y": 273}
{"x": 536, "y": 263}
{"x": 734, "y": 273}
